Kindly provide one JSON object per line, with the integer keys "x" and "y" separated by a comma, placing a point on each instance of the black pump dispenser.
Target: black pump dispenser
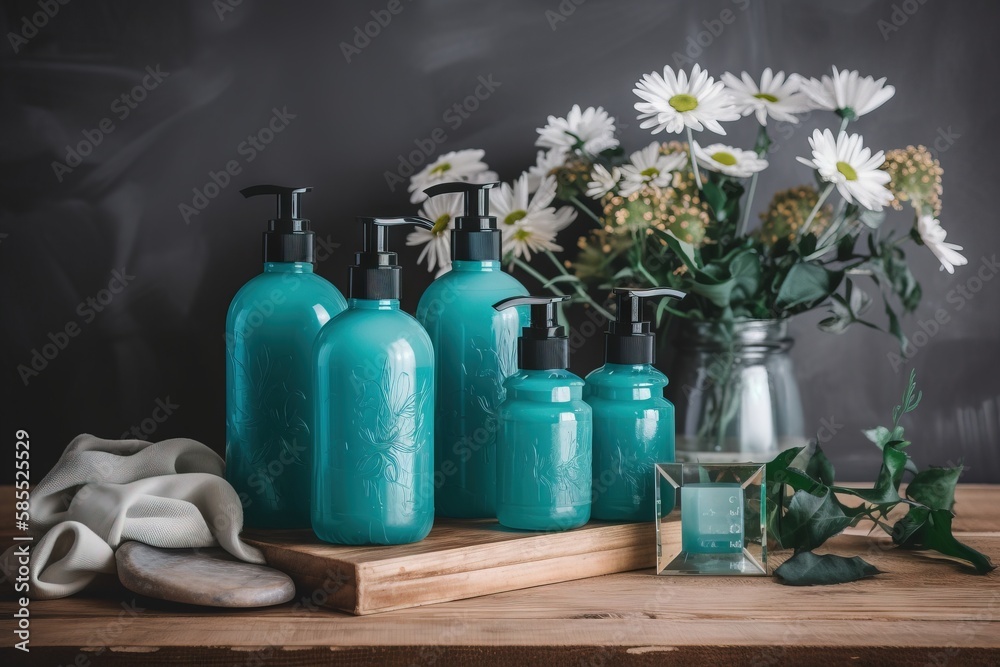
{"x": 288, "y": 237}
{"x": 629, "y": 339}
{"x": 543, "y": 344}
{"x": 475, "y": 236}
{"x": 375, "y": 274}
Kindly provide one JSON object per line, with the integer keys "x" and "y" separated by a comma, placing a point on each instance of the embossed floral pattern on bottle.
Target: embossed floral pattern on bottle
{"x": 491, "y": 365}
{"x": 630, "y": 471}
{"x": 390, "y": 414}
{"x": 267, "y": 417}
{"x": 563, "y": 478}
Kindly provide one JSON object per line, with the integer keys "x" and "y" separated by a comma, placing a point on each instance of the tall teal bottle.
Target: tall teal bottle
{"x": 476, "y": 348}
{"x": 545, "y": 430}
{"x": 633, "y": 423}
{"x": 271, "y": 326}
{"x": 373, "y": 481}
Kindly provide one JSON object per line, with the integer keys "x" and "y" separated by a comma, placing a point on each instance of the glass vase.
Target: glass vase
{"x": 735, "y": 393}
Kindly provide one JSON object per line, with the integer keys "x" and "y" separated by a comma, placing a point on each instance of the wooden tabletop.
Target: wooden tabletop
{"x": 920, "y": 612}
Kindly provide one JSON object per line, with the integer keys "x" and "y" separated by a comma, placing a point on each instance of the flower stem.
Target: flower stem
{"x": 745, "y": 222}
{"x": 582, "y": 293}
{"x": 819, "y": 203}
{"x": 694, "y": 161}
{"x": 586, "y": 209}
{"x": 843, "y": 123}
{"x": 524, "y": 266}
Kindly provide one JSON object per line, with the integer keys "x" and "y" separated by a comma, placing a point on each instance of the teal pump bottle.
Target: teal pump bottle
{"x": 476, "y": 348}
{"x": 633, "y": 423}
{"x": 373, "y": 479}
{"x": 544, "y": 437}
{"x": 270, "y": 329}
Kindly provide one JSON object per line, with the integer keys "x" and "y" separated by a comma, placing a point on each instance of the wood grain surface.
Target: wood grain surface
{"x": 922, "y": 611}
{"x": 459, "y": 559}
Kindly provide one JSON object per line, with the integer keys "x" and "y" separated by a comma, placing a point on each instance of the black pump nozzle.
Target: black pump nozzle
{"x": 375, "y": 274}
{"x": 475, "y": 236}
{"x": 288, "y": 237}
{"x": 543, "y": 344}
{"x": 629, "y": 339}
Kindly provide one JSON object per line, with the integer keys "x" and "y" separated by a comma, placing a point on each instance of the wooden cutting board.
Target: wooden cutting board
{"x": 459, "y": 559}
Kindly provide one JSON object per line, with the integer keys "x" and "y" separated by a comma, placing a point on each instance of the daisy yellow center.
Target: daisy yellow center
{"x": 441, "y": 168}
{"x": 650, "y": 173}
{"x": 683, "y": 102}
{"x": 522, "y": 234}
{"x": 767, "y": 97}
{"x": 847, "y": 170}
{"x": 514, "y": 216}
{"x": 722, "y": 157}
{"x": 441, "y": 224}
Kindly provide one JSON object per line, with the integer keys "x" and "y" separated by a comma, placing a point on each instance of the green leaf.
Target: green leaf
{"x": 894, "y": 328}
{"x": 845, "y": 247}
{"x": 935, "y": 487}
{"x": 811, "y": 520}
{"x": 886, "y": 489}
{"x": 714, "y": 197}
{"x": 807, "y": 285}
{"x": 872, "y": 219}
{"x": 807, "y": 569}
{"x": 683, "y": 250}
{"x": 911, "y": 399}
{"x": 923, "y": 528}
{"x": 882, "y": 436}
{"x": 781, "y": 472}
{"x": 807, "y": 245}
{"x": 820, "y": 468}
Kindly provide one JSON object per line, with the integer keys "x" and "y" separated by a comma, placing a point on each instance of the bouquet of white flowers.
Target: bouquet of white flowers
{"x": 678, "y": 213}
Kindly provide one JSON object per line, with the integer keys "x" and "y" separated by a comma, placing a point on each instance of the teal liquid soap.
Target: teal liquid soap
{"x": 544, "y": 443}
{"x": 373, "y": 480}
{"x": 633, "y": 422}
{"x": 476, "y": 349}
{"x": 271, "y": 326}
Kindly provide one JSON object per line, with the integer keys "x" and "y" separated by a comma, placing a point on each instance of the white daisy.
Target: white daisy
{"x": 650, "y": 167}
{"x": 848, "y": 93}
{"x": 776, "y": 96}
{"x": 529, "y": 224}
{"x": 729, "y": 160}
{"x": 589, "y": 131}
{"x": 933, "y": 235}
{"x": 675, "y": 101}
{"x": 845, "y": 162}
{"x": 544, "y": 164}
{"x": 442, "y": 211}
{"x": 465, "y": 165}
{"x": 603, "y": 181}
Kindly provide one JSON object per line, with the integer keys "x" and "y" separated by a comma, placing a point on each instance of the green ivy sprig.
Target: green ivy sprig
{"x": 806, "y": 509}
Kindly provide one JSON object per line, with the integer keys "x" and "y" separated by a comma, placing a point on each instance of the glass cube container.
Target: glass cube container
{"x": 711, "y": 518}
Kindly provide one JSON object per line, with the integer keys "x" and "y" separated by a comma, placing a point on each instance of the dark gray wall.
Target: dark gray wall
{"x": 160, "y": 338}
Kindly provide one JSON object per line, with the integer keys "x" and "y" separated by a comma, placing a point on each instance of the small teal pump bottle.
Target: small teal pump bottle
{"x": 270, "y": 329}
{"x": 476, "y": 349}
{"x": 544, "y": 437}
{"x": 633, "y": 423}
{"x": 373, "y": 480}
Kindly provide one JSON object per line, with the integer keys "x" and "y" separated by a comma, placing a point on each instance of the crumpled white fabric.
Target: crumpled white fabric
{"x": 102, "y": 493}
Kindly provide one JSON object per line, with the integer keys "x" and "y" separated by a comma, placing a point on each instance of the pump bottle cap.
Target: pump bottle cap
{"x": 629, "y": 339}
{"x": 375, "y": 274}
{"x": 543, "y": 344}
{"x": 475, "y": 236}
{"x": 288, "y": 237}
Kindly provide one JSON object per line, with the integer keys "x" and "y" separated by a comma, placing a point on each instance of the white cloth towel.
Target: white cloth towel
{"x": 104, "y": 492}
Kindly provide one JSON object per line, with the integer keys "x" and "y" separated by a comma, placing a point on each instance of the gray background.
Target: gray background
{"x": 161, "y": 337}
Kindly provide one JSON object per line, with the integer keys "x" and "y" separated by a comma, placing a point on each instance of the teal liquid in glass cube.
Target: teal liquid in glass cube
{"x": 712, "y": 518}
